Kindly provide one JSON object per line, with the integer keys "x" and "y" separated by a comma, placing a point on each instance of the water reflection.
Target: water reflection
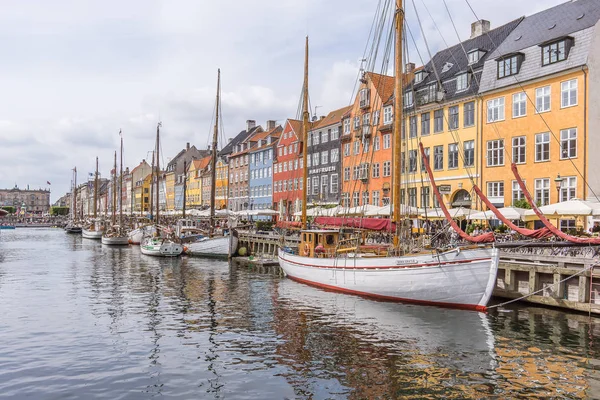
{"x": 92, "y": 320}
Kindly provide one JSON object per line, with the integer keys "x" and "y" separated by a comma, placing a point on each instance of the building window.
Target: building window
{"x": 376, "y": 143}
{"x": 387, "y": 115}
{"x": 356, "y": 147}
{"x": 519, "y": 105}
{"x": 517, "y": 193}
{"x": 425, "y": 196}
{"x": 518, "y": 149}
{"x": 355, "y": 199}
{"x": 473, "y": 56}
{"x": 508, "y": 66}
{"x": 325, "y": 157}
{"x": 413, "y": 127}
{"x": 495, "y": 189}
{"x": 453, "y": 117}
{"x": 324, "y": 137}
{"x": 555, "y": 52}
{"x": 347, "y": 126}
{"x": 335, "y": 134}
{"x": 438, "y": 121}
{"x": 542, "y": 147}
{"x": 412, "y": 197}
{"x": 375, "y": 117}
{"x": 425, "y": 123}
{"x": 426, "y": 151}
{"x": 365, "y": 198}
{"x": 495, "y": 109}
{"x": 542, "y": 191}
{"x": 567, "y": 225}
{"x": 376, "y": 170}
{"x": 495, "y": 152}
{"x": 335, "y": 155}
{"x": 568, "y": 143}
{"x": 542, "y": 99}
{"x": 462, "y": 82}
{"x": 376, "y": 198}
{"x": 469, "y": 114}
{"x": 438, "y": 158}
{"x": 387, "y": 141}
{"x": 324, "y": 185}
{"x": 334, "y": 183}
{"x": 469, "y": 153}
{"x": 315, "y": 160}
{"x": 408, "y": 99}
{"x": 412, "y": 160}
{"x": 345, "y": 199}
{"x": 568, "y": 188}
{"x": 355, "y": 171}
{"x": 568, "y": 93}
{"x": 346, "y": 149}
{"x": 452, "y": 155}
{"x": 315, "y": 185}
{"x": 387, "y": 168}
{"x": 346, "y": 173}
{"x": 366, "y": 145}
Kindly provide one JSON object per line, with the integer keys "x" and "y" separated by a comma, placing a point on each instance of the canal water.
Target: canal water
{"x": 80, "y": 320}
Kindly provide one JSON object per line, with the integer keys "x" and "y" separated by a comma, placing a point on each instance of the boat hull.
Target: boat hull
{"x": 89, "y": 234}
{"x": 7, "y": 227}
{"x": 220, "y": 247}
{"x": 137, "y": 235}
{"x": 115, "y": 241}
{"x": 158, "y": 248}
{"x": 457, "y": 279}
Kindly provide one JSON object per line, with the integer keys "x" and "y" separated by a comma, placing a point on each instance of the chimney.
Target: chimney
{"x": 143, "y": 161}
{"x": 127, "y": 171}
{"x": 410, "y": 67}
{"x": 187, "y": 146}
{"x": 480, "y": 27}
{"x": 271, "y": 124}
{"x": 250, "y": 124}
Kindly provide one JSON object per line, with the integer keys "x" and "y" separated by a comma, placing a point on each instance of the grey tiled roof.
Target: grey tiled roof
{"x": 243, "y": 135}
{"x": 535, "y": 28}
{"x": 456, "y": 56}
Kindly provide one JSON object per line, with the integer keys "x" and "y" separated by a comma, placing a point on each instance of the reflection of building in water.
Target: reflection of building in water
{"x": 550, "y": 369}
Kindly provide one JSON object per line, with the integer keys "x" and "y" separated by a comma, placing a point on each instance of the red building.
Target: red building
{"x": 287, "y": 171}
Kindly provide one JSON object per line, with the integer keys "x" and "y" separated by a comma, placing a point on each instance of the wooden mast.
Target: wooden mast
{"x": 213, "y": 160}
{"x": 114, "y": 194}
{"x": 74, "y": 212}
{"x": 305, "y": 123}
{"x": 397, "y": 154}
{"x": 151, "y": 208}
{"x": 157, "y": 172}
{"x": 185, "y": 168}
{"x": 121, "y": 188}
{"x": 96, "y": 192}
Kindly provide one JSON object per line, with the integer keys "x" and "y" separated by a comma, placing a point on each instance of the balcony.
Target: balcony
{"x": 364, "y": 104}
{"x": 430, "y": 97}
{"x": 364, "y": 98}
{"x": 346, "y": 137}
{"x": 363, "y": 173}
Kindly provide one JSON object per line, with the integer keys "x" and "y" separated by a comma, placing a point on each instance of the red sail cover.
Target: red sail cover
{"x": 484, "y": 238}
{"x": 373, "y": 224}
{"x": 536, "y": 234}
{"x": 545, "y": 221}
{"x": 288, "y": 224}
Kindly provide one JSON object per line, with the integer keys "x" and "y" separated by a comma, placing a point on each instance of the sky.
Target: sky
{"x": 73, "y": 73}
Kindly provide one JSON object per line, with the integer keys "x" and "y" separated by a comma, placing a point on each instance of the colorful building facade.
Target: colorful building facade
{"x": 261, "y": 167}
{"x": 287, "y": 171}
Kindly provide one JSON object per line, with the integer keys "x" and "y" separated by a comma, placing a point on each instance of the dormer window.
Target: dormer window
{"x": 408, "y": 99}
{"x": 509, "y": 65}
{"x": 556, "y": 51}
{"x": 447, "y": 67}
{"x": 420, "y": 76}
{"x": 462, "y": 82}
{"x": 475, "y": 55}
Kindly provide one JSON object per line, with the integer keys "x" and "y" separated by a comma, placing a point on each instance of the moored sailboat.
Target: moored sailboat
{"x": 95, "y": 229}
{"x": 116, "y": 236}
{"x": 217, "y": 247}
{"x": 334, "y": 259}
{"x": 73, "y": 225}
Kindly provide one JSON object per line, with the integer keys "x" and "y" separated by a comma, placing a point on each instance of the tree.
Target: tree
{"x": 10, "y": 209}
{"x": 54, "y": 211}
{"x": 522, "y": 203}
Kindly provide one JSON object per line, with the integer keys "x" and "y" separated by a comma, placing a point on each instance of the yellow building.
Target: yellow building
{"x": 170, "y": 190}
{"x": 194, "y": 183}
{"x": 221, "y": 183}
{"x": 142, "y": 194}
{"x": 443, "y": 112}
{"x": 534, "y": 90}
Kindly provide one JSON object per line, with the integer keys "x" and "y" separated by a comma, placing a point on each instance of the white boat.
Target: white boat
{"x": 136, "y": 236}
{"x": 115, "y": 240}
{"x": 116, "y": 236}
{"x": 160, "y": 247}
{"x": 459, "y": 279}
{"x": 92, "y": 232}
{"x": 220, "y": 247}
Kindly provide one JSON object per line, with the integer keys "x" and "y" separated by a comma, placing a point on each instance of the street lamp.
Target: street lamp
{"x": 558, "y": 183}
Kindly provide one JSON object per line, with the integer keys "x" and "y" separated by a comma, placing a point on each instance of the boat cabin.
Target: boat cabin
{"x": 318, "y": 242}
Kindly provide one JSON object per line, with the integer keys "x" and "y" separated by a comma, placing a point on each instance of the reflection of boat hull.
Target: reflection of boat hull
{"x": 459, "y": 279}
{"x": 220, "y": 247}
{"x": 73, "y": 229}
{"x": 115, "y": 240}
{"x": 90, "y": 234}
{"x": 161, "y": 248}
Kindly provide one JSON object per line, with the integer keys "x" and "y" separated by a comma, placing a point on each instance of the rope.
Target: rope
{"x": 591, "y": 266}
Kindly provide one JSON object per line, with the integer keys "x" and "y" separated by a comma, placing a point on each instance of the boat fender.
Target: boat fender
{"x": 319, "y": 249}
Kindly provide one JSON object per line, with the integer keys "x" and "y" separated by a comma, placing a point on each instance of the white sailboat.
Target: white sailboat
{"x": 95, "y": 229}
{"x": 155, "y": 244}
{"x": 333, "y": 259}
{"x": 73, "y": 226}
{"x": 116, "y": 236}
{"x": 216, "y": 247}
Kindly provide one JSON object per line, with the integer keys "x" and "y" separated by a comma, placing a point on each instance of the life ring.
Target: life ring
{"x": 306, "y": 249}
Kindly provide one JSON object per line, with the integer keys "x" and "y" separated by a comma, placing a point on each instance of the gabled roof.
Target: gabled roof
{"x": 566, "y": 18}
{"x": 296, "y": 126}
{"x": 334, "y": 117}
{"x": 240, "y": 137}
{"x": 273, "y": 133}
{"x": 383, "y": 84}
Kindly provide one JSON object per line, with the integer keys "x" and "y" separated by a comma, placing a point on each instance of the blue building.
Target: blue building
{"x": 262, "y": 150}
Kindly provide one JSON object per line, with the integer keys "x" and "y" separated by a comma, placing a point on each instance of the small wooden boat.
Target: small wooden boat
{"x": 160, "y": 247}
